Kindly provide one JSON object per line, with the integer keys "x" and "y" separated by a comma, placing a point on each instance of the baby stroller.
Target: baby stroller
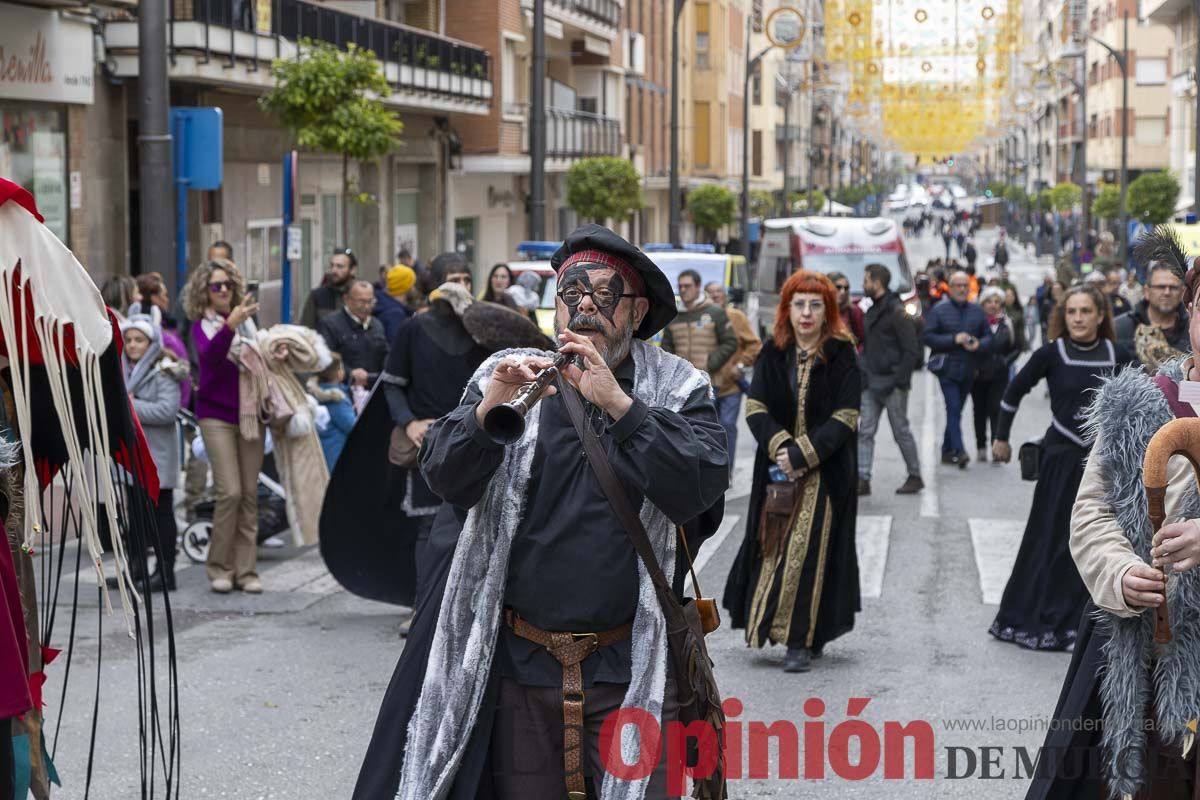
{"x": 272, "y": 512}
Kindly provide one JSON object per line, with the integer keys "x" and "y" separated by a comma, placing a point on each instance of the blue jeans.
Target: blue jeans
{"x": 728, "y": 409}
{"x": 955, "y": 394}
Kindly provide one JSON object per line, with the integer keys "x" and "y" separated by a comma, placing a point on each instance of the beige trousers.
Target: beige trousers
{"x": 233, "y": 545}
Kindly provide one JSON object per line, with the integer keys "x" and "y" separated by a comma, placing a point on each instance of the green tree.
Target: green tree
{"x": 1064, "y": 196}
{"x": 1107, "y": 204}
{"x": 1014, "y": 193}
{"x": 329, "y": 100}
{"x": 1152, "y": 196}
{"x": 711, "y": 206}
{"x": 762, "y": 203}
{"x": 604, "y": 188}
{"x": 798, "y": 201}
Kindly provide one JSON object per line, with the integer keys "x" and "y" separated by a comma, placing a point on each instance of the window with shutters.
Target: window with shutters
{"x": 700, "y": 123}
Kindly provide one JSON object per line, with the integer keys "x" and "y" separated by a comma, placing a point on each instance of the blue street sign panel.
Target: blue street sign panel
{"x": 198, "y": 146}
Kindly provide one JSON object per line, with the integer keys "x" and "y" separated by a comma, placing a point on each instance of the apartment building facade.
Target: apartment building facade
{"x": 219, "y": 55}
{"x": 585, "y": 103}
{"x": 1180, "y": 18}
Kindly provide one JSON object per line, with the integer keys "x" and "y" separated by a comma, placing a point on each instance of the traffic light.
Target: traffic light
{"x": 950, "y": 161}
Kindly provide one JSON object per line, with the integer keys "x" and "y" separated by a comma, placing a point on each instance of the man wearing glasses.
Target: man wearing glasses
{"x": 357, "y": 335}
{"x": 852, "y": 315}
{"x": 1156, "y": 330}
{"x": 702, "y": 334}
{"x": 331, "y": 295}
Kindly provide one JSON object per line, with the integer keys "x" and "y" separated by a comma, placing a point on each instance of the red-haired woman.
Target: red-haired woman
{"x": 795, "y": 580}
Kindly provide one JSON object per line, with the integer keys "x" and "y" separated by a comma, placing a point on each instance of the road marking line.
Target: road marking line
{"x": 929, "y": 496}
{"x": 713, "y": 544}
{"x": 871, "y": 542}
{"x": 995, "y": 543}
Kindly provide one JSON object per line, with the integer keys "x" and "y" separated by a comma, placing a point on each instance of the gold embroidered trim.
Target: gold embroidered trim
{"x": 755, "y": 406}
{"x": 803, "y": 372}
{"x": 848, "y": 417}
{"x": 775, "y": 442}
{"x": 815, "y": 605}
{"x": 810, "y": 452}
{"x": 797, "y": 553}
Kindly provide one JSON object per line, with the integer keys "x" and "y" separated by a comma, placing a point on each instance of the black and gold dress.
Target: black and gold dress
{"x": 806, "y": 592}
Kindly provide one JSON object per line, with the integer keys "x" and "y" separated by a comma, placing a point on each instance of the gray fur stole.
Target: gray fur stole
{"x": 460, "y": 657}
{"x": 1127, "y": 411}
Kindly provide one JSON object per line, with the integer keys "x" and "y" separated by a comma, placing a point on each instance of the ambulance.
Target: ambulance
{"x": 827, "y": 244}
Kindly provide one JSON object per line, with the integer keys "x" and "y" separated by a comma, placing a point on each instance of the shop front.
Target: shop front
{"x": 46, "y": 68}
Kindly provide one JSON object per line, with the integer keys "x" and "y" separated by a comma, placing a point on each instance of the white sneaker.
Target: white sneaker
{"x": 274, "y": 541}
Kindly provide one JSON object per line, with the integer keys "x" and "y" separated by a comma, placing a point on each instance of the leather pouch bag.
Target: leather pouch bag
{"x": 776, "y": 515}
{"x": 1030, "y": 456}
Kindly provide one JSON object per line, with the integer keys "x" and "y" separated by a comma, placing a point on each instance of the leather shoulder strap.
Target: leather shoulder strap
{"x": 611, "y": 486}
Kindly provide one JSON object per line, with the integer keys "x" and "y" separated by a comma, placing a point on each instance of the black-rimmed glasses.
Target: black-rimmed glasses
{"x": 602, "y": 297}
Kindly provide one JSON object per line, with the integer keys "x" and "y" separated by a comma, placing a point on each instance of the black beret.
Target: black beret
{"x": 659, "y": 291}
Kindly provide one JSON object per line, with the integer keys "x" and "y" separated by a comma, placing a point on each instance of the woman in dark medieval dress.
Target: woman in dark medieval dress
{"x": 1044, "y": 596}
{"x": 801, "y": 589}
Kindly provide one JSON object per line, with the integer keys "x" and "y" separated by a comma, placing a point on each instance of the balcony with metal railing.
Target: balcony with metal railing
{"x": 577, "y": 134}
{"x": 597, "y": 17}
{"x": 233, "y": 42}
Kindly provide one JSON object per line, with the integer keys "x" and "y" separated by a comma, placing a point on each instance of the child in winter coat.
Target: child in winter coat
{"x": 331, "y": 391}
{"x": 153, "y": 376}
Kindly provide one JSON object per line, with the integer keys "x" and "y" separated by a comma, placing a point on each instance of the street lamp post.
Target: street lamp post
{"x": 1081, "y": 167}
{"x": 673, "y": 185}
{"x": 750, "y": 64}
{"x": 1123, "y": 63}
{"x": 537, "y": 126}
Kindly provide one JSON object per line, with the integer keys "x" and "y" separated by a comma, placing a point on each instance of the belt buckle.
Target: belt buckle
{"x": 595, "y": 637}
{"x": 576, "y": 795}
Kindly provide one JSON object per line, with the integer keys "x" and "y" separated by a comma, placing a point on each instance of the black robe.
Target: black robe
{"x": 379, "y": 775}
{"x": 827, "y": 445}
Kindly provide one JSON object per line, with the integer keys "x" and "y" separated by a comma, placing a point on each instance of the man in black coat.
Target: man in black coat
{"x": 890, "y": 354}
{"x": 357, "y": 335}
{"x": 330, "y": 296}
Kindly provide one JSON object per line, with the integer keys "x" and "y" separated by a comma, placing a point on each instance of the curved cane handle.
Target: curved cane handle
{"x": 1177, "y": 437}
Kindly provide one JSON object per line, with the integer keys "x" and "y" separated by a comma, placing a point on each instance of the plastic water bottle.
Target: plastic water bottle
{"x": 776, "y": 474}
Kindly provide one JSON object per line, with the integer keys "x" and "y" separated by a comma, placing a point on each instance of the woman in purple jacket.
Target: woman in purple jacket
{"x": 215, "y": 300}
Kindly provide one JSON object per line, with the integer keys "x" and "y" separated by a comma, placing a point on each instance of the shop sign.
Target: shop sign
{"x": 46, "y": 56}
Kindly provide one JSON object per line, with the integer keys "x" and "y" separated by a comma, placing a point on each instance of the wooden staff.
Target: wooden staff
{"x": 1178, "y": 437}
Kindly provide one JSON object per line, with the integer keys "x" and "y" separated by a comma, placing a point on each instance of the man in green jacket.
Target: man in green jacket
{"x": 702, "y": 334}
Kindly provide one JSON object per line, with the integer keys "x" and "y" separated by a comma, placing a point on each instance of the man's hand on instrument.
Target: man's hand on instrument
{"x": 596, "y": 382}
{"x": 1143, "y": 586}
{"x": 1177, "y": 546}
{"x": 507, "y": 379}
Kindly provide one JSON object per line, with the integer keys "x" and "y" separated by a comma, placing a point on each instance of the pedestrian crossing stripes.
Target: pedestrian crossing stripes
{"x": 871, "y": 542}
{"x": 995, "y": 543}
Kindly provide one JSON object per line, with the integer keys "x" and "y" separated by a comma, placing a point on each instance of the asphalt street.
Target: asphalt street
{"x": 278, "y": 693}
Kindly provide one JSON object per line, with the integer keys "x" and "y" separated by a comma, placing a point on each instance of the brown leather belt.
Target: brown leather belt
{"x": 570, "y": 649}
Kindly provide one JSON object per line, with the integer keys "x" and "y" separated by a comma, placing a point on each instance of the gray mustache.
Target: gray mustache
{"x": 584, "y": 322}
